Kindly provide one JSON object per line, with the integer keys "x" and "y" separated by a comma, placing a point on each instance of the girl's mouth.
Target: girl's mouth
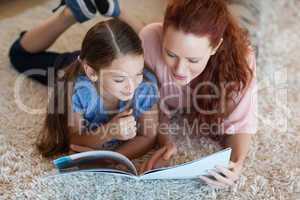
{"x": 127, "y": 94}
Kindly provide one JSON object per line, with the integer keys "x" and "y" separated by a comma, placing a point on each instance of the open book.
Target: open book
{"x": 86, "y": 162}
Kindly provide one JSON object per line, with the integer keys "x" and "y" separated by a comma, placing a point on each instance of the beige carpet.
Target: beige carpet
{"x": 273, "y": 167}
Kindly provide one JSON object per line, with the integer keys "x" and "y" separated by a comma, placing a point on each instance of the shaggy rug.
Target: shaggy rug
{"x": 272, "y": 170}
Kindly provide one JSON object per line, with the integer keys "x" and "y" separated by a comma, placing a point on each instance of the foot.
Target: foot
{"x": 108, "y": 8}
{"x": 82, "y": 10}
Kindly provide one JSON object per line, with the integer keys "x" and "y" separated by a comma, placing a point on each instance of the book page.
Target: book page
{"x": 92, "y": 160}
{"x": 191, "y": 169}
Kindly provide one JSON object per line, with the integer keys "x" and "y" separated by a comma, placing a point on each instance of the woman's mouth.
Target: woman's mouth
{"x": 179, "y": 77}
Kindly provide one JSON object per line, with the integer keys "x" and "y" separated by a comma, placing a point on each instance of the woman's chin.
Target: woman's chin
{"x": 181, "y": 82}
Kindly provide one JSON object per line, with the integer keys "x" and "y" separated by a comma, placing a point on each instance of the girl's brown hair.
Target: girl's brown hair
{"x": 229, "y": 66}
{"x": 103, "y": 43}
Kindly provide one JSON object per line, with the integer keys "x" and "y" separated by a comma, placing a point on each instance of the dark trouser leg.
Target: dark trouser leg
{"x": 38, "y": 66}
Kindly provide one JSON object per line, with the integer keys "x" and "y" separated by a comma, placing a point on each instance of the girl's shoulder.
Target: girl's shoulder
{"x": 146, "y": 95}
{"x": 150, "y": 76}
{"x": 84, "y": 94}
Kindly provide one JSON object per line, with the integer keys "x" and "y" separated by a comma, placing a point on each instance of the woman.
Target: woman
{"x": 205, "y": 65}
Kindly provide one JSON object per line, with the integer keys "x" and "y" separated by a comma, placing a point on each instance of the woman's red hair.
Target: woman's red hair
{"x": 211, "y": 18}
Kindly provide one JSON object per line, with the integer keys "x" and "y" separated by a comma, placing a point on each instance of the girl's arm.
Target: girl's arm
{"x": 86, "y": 138}
{"x": 146, "y": 137}
{"x": 121, "y": 127}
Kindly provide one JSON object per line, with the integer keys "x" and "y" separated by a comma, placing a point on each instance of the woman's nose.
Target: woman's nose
{"x": 180, "y": 67}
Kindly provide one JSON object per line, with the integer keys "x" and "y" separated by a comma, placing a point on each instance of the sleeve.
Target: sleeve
{"x": 83, "y": 100}
{"x": 145, "y": 97}
{"x": 150, "y": 37}
{"x": 243, "y": 119}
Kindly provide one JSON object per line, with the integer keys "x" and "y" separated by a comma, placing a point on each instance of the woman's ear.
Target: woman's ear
{"x": 217, "y": 47}
{"x": 90, "y": 72}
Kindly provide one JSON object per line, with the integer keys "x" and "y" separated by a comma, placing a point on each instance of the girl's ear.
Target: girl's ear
{"x": 90, "y": 72}
{"x": 217, "y": 47}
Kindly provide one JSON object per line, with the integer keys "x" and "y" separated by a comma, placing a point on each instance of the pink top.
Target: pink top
{"x": 244, "y": 108}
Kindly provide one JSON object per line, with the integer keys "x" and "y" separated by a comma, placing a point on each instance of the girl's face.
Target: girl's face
{"x": 123, "y": 76}
{"x": 185, "y": 54}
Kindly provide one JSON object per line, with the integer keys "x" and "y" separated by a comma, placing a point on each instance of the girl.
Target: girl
{"x": 99, "y": 96}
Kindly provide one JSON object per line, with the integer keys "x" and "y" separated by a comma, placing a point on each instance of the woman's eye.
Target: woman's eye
{"x": 193, "y": 61}
{"x": 171, "y": 54}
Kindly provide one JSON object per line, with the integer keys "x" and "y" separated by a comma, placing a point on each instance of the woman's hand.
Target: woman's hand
{"x": 122, "y": 126}
{"x": 223, "y": 177}
{"x": 160, "y": 158}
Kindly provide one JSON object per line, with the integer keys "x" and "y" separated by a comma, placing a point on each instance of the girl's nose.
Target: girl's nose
{"x": 130, "y": 86}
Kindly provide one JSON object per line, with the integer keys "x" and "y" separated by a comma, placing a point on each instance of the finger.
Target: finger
{"x": 170, "y": 151}
{"x": 131, "y": 133}
{"x": 125, "y": 113}
{"x": 161, "y": 163}
{"x": 212, "y": 183}
{"x": 78, "y": 148}
{"x": 143, "y": 168}
{"x": 221, "y": 178}
{"x": 228, "y": 173}
{"x": 126, "y": 121}
{"x": 131, "y": 123}
{"x": 231, "y": 165}
{"x": 158, "y": 154}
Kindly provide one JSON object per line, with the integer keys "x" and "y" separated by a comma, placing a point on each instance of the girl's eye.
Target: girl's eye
{"x": 141, "y": 74}
{"x": 119, "y": 81}
{"x": 193, "y": 61}
{"x": 171, "y": 54}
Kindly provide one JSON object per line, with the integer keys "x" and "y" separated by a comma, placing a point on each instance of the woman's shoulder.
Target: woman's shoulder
{"x": 153, "y": 28}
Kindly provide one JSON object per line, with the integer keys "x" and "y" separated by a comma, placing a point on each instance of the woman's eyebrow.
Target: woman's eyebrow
{"x": 193, "y": 58}
{"x": 170, "y": 51}
{"x": 190, "y": 58}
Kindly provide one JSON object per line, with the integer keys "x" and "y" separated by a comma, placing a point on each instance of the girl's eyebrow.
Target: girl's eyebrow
{"x": 119, "y": 76}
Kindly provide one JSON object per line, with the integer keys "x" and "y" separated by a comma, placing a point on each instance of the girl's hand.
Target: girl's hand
{"x": 122, "y": 126}
{"x": 161, "y": 158}
{"x": 223, "y": 177}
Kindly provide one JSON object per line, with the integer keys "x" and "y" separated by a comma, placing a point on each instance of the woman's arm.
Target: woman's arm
{"x": 240, "y": 144}
{"x": 134, "y": 22}
{"x": 226, "y": 177}
{"x": 145, "y": 138}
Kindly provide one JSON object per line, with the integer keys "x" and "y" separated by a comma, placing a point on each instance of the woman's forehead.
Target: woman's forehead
{"x": 186, "y": 44}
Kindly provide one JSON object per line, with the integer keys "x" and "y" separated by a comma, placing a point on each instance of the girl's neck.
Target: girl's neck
{"x": 110, "y": 102}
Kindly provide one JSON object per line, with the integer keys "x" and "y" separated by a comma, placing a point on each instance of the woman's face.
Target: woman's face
{"x": 123, "y": 76}
{"x": 185, "y": 54}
